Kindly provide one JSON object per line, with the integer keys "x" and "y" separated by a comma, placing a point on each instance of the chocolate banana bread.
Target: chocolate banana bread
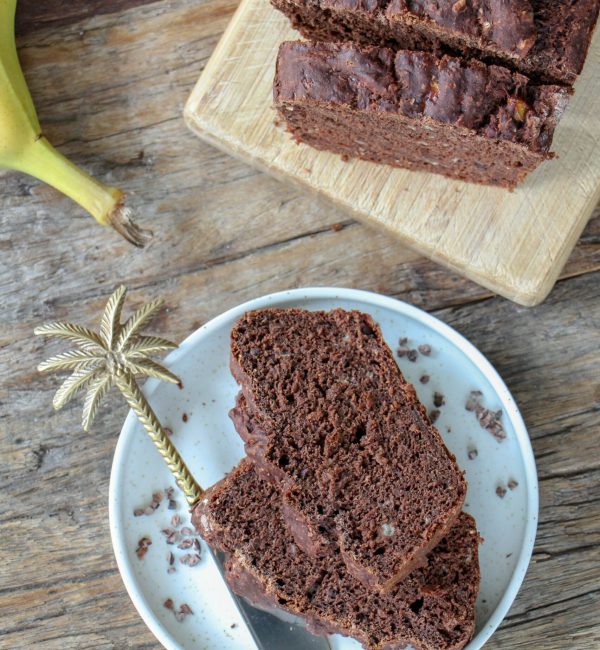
{"x": 546, "y": 40}
{"x": 328, "y": 418}
{"x": 464, "y": 119}
{"x": 432, "y": 609}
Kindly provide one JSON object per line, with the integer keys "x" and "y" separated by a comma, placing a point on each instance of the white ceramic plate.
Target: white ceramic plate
{"x": 210, "y": 447}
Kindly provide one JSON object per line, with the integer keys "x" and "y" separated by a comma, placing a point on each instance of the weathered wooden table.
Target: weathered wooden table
{"x": 110, "y": 79}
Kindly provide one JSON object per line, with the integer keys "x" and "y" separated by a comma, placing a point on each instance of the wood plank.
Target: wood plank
{"x": 514, "y": 243}
{"x": 33, "y": 14}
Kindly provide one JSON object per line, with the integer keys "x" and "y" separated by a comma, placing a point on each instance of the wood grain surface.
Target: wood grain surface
{"x": 110, "y": 90}
{"x": 515, "y": 243}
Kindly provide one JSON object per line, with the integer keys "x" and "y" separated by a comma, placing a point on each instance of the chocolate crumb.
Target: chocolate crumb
{"x": 512, "y": 484}
{"x": 449, "y": 429}
{"x": 425, "y": 349}
{"x": 501, "y": 491}
{"x": 403, "y": 340}
{"x": 142, "y": 547}
{"x": 184, "y": 417}
{"x": 171, "y": 569}
{"x": 175, "y": 520}
{"x": 170, "y": 558}
{"x": 434, "y": 415}
{"x": 168, "y": 431}
{"x": 186, "y": 530}
{"x": 402, "y": 352}
{"x": 472, "y": 454}
{"x": 172, "y": 536}
{"x": 233, "y": 626}
{"x": 438, "y": 399}
{"x": 473, "y": 400}
{"x": 508, "y": 555}
{"x": 336, "y": 227}
{"x": 180, "y": 385}
{"x": 168, "y": 603}
{"x": 186, "y": 609}
{"x": 190, "y": 559}
{"x": 186, "y": 543}
{"x": 172, "y": 504}
{"x": 491, "y": 421}
{"x": 412, "y": 355}
{"x": 424, "y": 379}
{"x": 197, "y": 545}
{"x": 157, "y": 497}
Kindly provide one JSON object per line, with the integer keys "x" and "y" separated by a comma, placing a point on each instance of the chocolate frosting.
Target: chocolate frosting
{"x": 507, "y": 24}
{"x": 489, "y": 99}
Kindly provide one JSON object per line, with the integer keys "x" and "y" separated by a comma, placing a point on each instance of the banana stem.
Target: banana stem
{"x": 104, "y": 203}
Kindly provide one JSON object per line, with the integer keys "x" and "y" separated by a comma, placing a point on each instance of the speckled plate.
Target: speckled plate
{"x": 197, "y": 415}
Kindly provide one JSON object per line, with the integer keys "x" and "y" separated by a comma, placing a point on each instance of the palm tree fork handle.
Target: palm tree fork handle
{"x": 138, "y": 403}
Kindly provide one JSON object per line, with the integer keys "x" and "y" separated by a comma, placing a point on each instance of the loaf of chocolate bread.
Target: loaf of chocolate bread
{"x": 547, "y": 40}
{"x": 328, "y": 418}
{"x": 432, "y": 609}
{"x": 464, "y": 119}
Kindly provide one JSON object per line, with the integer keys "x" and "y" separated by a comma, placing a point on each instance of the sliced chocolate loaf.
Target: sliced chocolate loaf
{"x": 466, "y": 120}
{"x": 547, "y": 40}
{"x": 329, "y": 419}
{"x": 432, "y": 609}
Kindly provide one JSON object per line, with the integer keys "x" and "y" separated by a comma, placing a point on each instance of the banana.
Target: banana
{"x": 24, "y": 148}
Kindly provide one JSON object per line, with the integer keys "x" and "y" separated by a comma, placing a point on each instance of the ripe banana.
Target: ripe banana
{"x": 23, "y": 146}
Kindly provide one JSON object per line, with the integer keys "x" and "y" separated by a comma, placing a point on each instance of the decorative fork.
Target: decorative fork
{"x": 115, "y": 356}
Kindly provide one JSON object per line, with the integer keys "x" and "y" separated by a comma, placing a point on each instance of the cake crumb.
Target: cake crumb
{"x": 424, "y": 379}
{"x": 412, "y": 355}
{"x": 438, "y": 399}
{"x": 512, "y": 484}
{"x": 184, "y": 417}
{"x": 403, "y": 340}
{"x": 425, "y": 349}
{"x": 472, "y": 453}
{"x": 501, "y": 491}
{"x": 402, "y": 352}
{"x": 168, "y": 604}
{"x": 434, "y": 414}
{"x": 336, "y": 227}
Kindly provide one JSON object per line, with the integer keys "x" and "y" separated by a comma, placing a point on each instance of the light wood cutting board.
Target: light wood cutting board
{"x": 514, "y": 243}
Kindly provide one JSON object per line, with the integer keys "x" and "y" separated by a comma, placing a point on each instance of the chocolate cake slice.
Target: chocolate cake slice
{"x": 464, "y": 119}
{"x": 329, "y": 419}
{"x": 544, "y": 39}
{"x": 432, "y": 609}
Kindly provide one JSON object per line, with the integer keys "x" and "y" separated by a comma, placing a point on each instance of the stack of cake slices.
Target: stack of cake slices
{"x": 472, "y": 89}
{"x": 347, "y": 509}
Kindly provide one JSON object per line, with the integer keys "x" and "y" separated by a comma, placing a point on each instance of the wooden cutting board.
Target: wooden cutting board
{"x": 514, "y": 243}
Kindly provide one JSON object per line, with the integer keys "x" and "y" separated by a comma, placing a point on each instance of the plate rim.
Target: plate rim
{"x": 372, "y": 299}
